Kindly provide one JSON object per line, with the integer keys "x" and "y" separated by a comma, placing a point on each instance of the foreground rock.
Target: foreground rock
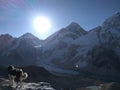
{"x": 4, "y": 85}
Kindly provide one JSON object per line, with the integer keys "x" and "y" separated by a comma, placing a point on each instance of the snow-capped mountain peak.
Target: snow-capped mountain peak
{"x": 73, "y": 24}
{"x": 30, "y": 38}
{"x": 72, "y": 31}
{"x": 28, "y": 35}
{"x": 112, "y": 22}
{"x": 76, "y": 28}
{"x": 5, "y": 36}
{"x": 5, "y": 40}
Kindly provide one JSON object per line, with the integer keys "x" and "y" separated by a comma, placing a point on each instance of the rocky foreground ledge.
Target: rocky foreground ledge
{"x": 4, "y": 85}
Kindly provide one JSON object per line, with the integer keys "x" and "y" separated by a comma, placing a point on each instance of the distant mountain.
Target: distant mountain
{"x": 56, "y": 45}
{"x": 70, "y": 51}
{"x": 19, "y": 51}
{"x": 96, "y": 52}
{"x": 72, "y": 31}
{"x": 5, "y": 41}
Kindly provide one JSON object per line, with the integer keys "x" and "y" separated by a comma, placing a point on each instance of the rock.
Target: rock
{"x": 4, "y": 85}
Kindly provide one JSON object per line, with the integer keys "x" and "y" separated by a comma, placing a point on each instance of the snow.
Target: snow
{"x": 27, "y": 35}
{"x": 113, "y": 21}
{"x": 38, "y": 46}
{"x": 76, "y": 28}
{"x": 57, "y": 45}
{"x": 87, "y": 41}
{"x": 53, "y": 42}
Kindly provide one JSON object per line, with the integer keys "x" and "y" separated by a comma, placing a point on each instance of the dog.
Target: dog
{"x": 16, "y": 74}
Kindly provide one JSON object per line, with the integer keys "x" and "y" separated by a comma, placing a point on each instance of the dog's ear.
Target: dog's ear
{"x": 11, "y": 67}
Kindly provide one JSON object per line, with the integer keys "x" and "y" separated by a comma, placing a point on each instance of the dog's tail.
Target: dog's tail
{"x": 24, "y": 76}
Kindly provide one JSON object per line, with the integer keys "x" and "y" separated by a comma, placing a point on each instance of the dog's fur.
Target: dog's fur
{"x": 17, "y": 75}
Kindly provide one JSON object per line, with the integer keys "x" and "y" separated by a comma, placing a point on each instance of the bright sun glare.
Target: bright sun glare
{"x": 42, "y": 24}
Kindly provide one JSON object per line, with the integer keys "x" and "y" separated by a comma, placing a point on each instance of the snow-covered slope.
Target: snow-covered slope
{"x": 20, "y": 51}
{"x": 26, "y": 40}
{"x": 56, "y": 46}
{"x": 105, "y": 57}
{"x": 68, "y": 50}
{"x": 99, "y": 49}
{"x": 5, "y": 41}
{"x": 67, "y": 35}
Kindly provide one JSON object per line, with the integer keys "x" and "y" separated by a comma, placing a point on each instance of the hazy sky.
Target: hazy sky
{"x": 16, "y": 16}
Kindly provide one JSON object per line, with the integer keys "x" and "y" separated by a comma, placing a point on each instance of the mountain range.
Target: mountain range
{"x": 69, "y": 51}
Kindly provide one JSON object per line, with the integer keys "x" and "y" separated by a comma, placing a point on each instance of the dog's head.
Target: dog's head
{"x": 11, "y": 67}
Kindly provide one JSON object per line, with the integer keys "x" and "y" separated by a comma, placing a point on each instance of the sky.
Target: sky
{"x": 17, "y": 16}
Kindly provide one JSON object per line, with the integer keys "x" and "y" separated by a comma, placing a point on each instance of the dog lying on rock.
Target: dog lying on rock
{"x": 17, "y": 75}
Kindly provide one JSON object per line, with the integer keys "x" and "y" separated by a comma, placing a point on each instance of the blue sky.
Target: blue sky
{"x": 16, "y": 16}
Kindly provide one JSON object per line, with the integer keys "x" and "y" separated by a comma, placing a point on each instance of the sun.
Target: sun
{"x": 42, "y": 24}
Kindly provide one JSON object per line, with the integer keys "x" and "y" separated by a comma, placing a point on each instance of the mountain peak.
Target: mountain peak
{"x": 6, "y": 36}
{"x": 73, "y": 24}
{"x": 29, "y": 39}
{"x": 76, "y": 28}
{"x": 117, "y": 13}
{"x": 5, "y": 40}
{"x": 113, "y": 21}
{"x": 27, "y": 35}
{"x": 114, "y": 17}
